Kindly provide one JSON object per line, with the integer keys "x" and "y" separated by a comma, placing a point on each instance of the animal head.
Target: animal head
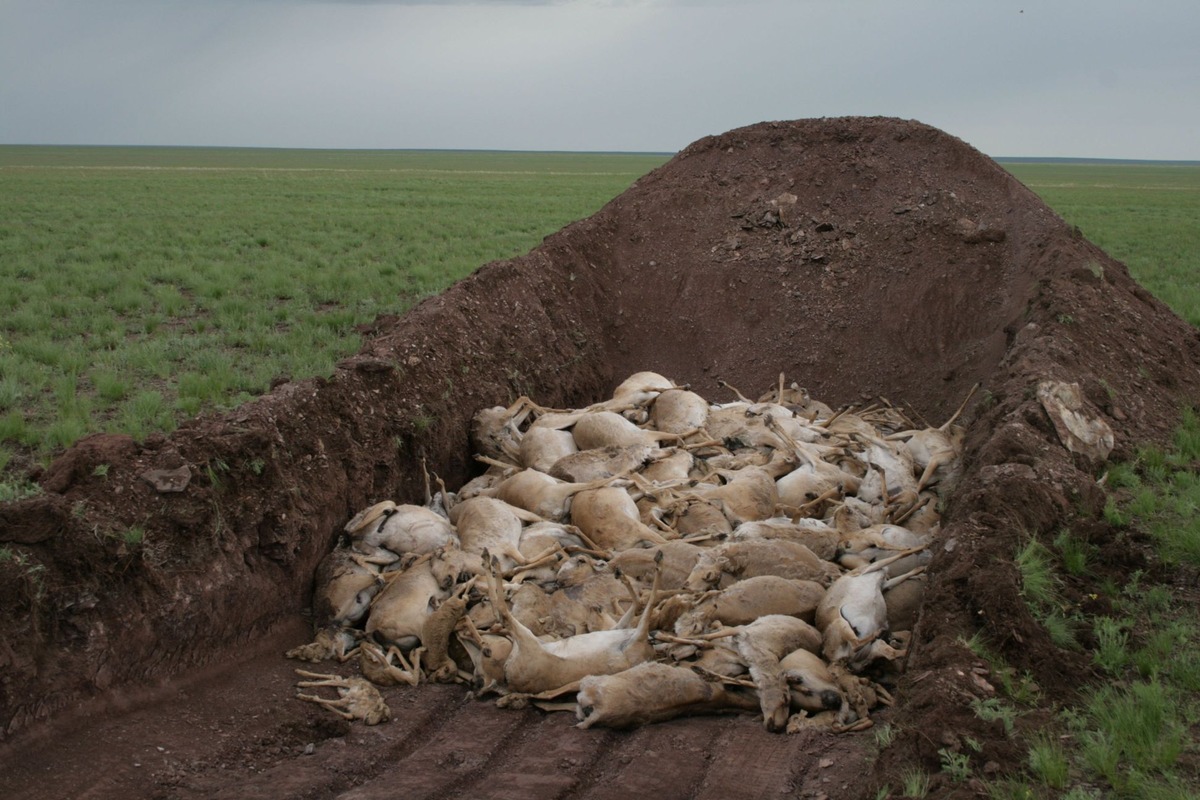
{"x": 577, "y": 569}
{"x": 707, "y": 572}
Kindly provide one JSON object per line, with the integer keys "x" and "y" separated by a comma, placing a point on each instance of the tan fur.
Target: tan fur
{"x": 357, "y": 699}
{"x": 731, "y": 561}
{"x": 749, "y": 599}
{"x": 609, "y": 518}
{"x": 653, "y": 692}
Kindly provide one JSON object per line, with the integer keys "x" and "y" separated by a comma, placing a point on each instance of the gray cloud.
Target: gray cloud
{"x": 1100, "y": 78}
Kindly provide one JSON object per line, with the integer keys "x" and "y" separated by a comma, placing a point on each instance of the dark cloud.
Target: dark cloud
{"x": 1075, "y": 77}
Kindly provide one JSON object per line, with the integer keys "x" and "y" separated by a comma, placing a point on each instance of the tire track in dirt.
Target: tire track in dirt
{"x": 665, "y": 761}
{"x": 455, "y": 754}
{"x": 363, "y": 756}
{"x": 538, "y": 764}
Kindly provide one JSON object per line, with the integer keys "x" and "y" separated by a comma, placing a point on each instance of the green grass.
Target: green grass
{"x": 1040, "y": 586}
{"x": 1129, "y": 734}
{"x": 1147, "y": 215}
{"x": 1160, "y": 492}
{"x": 187, "y": 279}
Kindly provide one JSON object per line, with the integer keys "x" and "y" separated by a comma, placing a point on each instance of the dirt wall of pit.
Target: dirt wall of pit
{"x": 859, "y": 256}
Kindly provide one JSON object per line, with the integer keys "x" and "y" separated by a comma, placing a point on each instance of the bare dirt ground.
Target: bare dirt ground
{"x": 862, "y": 257}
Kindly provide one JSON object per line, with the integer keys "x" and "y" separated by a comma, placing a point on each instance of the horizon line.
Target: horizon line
{"x": 667, "y": 153}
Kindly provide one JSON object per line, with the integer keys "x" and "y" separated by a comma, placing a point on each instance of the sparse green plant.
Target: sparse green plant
{"x": 134, "y": 537}
{"x": 1041, "y": 589}
{"x": 100, "y": 471}
{"x": 915, "y": 782}
{"x": 11, "y": 491}
{"x": 1049, "y": 762}
{"x": 1157, "y": 600}
{"x": 1065, "y": 319}
{"x": 31, "y": 572}
{"x": 1186, "y": 442}
{"x": 1112, "y": 645}
{"x": 1020, "y": 688}
{"x": 1140, "y": 726}
{"x": 1121, "y": 476}
{"x": 1023, "y": 689}
{"x": 215, "y": 470}
{"x": 1114, "y": 515}
{"x": 1074, "y": 552}
{"x": 1010, "y": 789}
{"x": 976, "y": 644}
{"x": 1060, "y": 628}
{"x": 955, "y": 765}
{"x": 993, "y": 708}
{"x": 256, "y": 465}
{"x": 884, "y": 735}
{"x": 1038, "y": 583}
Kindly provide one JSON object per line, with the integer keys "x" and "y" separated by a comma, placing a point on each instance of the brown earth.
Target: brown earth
{"x": 908, "y": 265}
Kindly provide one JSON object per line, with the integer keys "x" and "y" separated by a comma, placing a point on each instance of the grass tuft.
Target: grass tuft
{"x": 914, "y": 782}
{"x": 1049, "y": 762}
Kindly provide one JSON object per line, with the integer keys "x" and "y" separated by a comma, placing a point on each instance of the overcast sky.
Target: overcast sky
{"x": 1089, "y": 78}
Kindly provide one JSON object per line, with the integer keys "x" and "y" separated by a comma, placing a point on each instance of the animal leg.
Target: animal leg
{"x": 749, "y": 684}
{"x": 702, "y": 641}
{"x": 899, "y": 579}
{"x": 935, "y": 461}
{"x": 946, "y": 425}
{"x": 602, "y": 554}
{"x": 912, "y": 509}
{"x": 332, "y": 705}
{"x": 320, "y": 679}
{"x": 522, "y": 700}
{"x": 739, "y": 395}
{"x": 410, "y": 673}
{"x": 552, "y": 707}
{"x": 861, "y": 725}
{"x": 368, "y": 516}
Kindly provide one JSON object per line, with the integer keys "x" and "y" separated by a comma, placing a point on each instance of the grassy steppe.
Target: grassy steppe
{"x": 139, "y": 286}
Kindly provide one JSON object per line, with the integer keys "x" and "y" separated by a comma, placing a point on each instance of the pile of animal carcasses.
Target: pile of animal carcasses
{"x": 654, "y": 555}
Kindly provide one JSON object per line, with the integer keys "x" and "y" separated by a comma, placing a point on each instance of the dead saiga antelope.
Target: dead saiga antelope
{"x": 357, "y": 699}
{"x": 853, "y": 619}
{"x": 935, "y": 450}
{"x": 548, "y": 669}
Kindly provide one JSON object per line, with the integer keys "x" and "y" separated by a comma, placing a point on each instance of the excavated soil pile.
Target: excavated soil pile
{"x": 862, "y": 257}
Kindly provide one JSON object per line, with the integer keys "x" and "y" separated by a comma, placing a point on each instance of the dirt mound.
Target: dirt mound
{"x": 861, "y": 256}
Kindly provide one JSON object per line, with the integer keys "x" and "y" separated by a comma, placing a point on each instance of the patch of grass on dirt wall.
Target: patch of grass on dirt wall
{"x": 1134, "y": 733}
